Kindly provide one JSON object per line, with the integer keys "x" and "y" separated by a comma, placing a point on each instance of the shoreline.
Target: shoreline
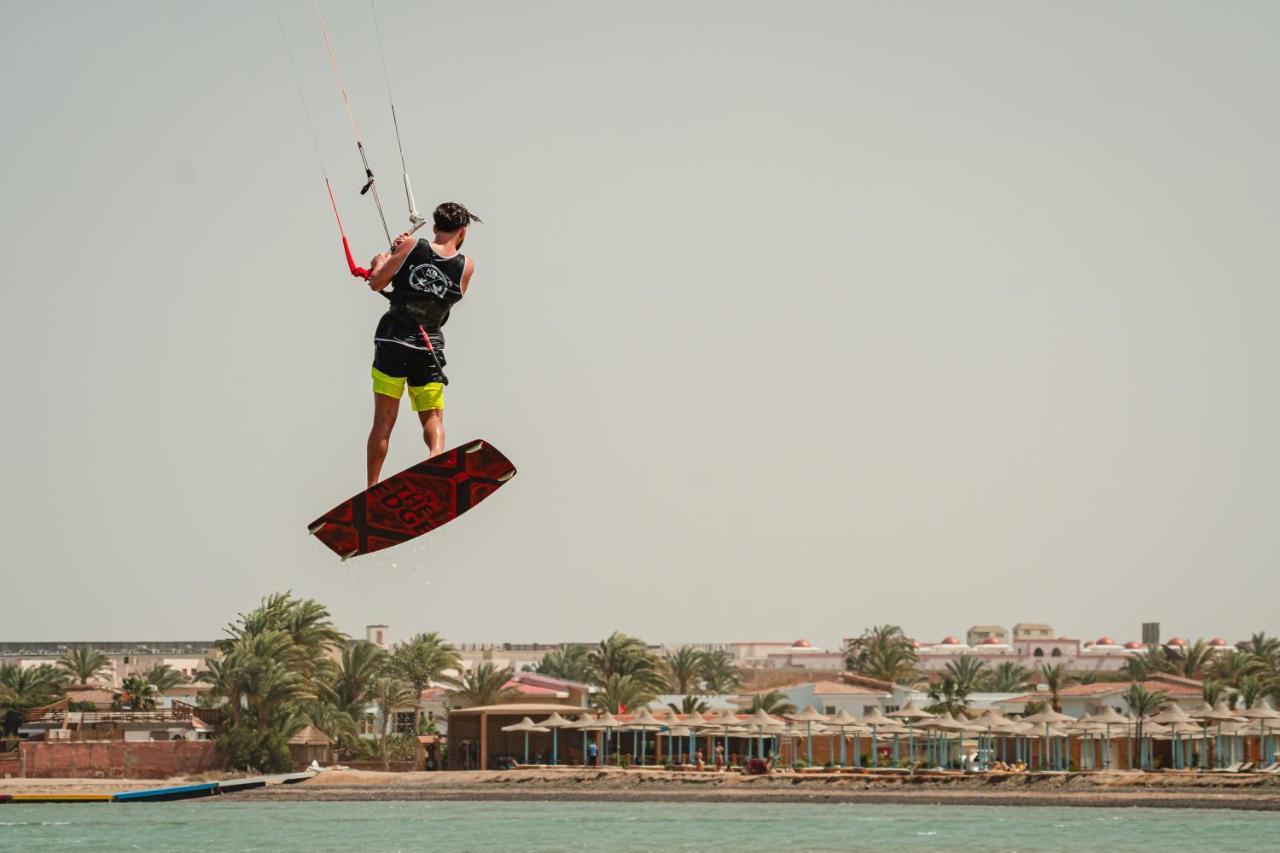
{"x": 1218, "y": 791}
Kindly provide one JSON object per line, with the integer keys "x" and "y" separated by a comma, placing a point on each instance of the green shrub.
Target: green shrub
{"x": 250, "y": 748}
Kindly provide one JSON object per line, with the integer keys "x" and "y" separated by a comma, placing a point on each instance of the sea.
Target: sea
{"x": 224, "y": 824}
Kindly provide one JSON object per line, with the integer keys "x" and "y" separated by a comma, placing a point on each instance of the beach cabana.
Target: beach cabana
{"x": 475, "y": 734}
{"x": 843, "y": 720}
{"x": 1219, "y": 716}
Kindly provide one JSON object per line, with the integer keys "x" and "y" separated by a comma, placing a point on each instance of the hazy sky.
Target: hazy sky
{"x": 794, "y": 317}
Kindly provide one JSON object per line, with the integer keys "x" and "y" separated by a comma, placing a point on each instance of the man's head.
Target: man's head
{"x": 452, "y": 218}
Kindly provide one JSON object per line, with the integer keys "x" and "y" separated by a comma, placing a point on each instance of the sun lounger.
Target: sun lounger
{"x": 1234, "y": 768}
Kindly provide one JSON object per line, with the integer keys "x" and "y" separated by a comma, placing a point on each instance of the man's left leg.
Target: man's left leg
{"x": 428, "y": 402}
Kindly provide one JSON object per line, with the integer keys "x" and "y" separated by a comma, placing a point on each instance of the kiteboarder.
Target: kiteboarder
{"x": 426, "y": 277}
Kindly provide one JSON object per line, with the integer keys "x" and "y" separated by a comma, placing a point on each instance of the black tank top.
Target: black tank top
{"x": 426, "y": 286}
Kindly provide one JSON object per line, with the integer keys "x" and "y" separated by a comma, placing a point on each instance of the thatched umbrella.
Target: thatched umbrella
{"x": 1219, "y": 715}
{"x": 724, "y": 718}
{"x": 842, "y": 720}
{"x": 875, "y": 720}
{"x": 760, "y": 721}
{"x": 1047, "y": 716}
{"x": 526, "y": 725}
{"x": 584, "y": 724}
{"x": 1109, "y": 717}
{"x": 809, "y": 716}
{"x": 909, "y": 714}
{"x": 1169, "y": 715}
{"x": 644, "y": 722}
{"x": 693, "y": 722}
{"x": 555, "y": 722}
{"x": 606, "y": 722}
{"x": 1262, "y": 712}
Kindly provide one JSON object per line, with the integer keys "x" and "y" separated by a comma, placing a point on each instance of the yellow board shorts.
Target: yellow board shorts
{"x": 423, "y": 398}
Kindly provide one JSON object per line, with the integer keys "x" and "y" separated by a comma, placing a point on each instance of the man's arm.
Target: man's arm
{"x": 467, "y": 269}
{"x": 385, "y": 266}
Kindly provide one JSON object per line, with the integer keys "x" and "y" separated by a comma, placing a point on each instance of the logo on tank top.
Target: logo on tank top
{"x": 429, "y": 279}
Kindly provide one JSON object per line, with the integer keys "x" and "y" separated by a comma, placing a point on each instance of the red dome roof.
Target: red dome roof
{"x": 1133, "y": 644}
{"x": 1217, "y": 641}
{"x": 1104, "y": 641}
{"x": 991, "y": 641}
{"x": 801, "y": 644}
{"x": 1176, "y": 641}
{"x": 950, "y": 641}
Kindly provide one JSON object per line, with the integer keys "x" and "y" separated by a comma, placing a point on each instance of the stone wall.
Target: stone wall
{"x": 118, "y": 759}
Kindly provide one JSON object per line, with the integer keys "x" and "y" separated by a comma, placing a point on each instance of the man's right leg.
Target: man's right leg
{"x": 386, "y": 405}
{"x": 384, "y": 418}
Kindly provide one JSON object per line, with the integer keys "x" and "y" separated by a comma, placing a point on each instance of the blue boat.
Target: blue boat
{"x": 156, "y": 795}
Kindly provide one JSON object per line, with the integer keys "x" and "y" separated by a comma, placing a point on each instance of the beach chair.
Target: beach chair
{"x": 1246, "y": 767}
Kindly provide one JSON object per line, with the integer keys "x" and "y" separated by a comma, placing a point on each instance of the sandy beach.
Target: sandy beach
{"x": 1259, "y": 792}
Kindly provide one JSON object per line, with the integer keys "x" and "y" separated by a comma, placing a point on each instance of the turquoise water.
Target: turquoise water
{"x": 618, "y": 827}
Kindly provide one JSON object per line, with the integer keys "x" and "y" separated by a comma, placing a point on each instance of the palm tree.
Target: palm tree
{"x": 570, "y": 663}
{"x": 1142, "y": 703}
{"x": 164, "y": 677}
{"x": 947, "y": 697}
{"x": 84, "y": 663}
{"x": 967, "y": 672}
{"x": 688, "y": 705}
{"x": 358, "y": 667}
{"x": 620, "y": 654}
{"x": 1213, "y": 691}
{"x": 1252, "y": 688}
{"x": 621, "y": 693}
{"x": 139, "y": 693}
{"x": 391, "y": 694}
{"x": 1009, "y": 677}
{"x": 1265, "y": 649}
{"x": 28, "y": 687}
{"x": 1055, "y": 677}
{"x": 422, "y": 660}
{"x": 485, "y": 685}
{"x": 772, "y": 702}
{"x": 1190, "y": 661}
{"x": 684, "y": 669}
{"x": 1231, "y": 665}
{"x": 882, "y": 652}
{"x": 719, "y": 673}
{"x": 1140, "y": 665}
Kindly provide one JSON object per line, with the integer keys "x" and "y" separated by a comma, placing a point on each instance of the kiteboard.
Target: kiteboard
{"x": 415, "y": 501}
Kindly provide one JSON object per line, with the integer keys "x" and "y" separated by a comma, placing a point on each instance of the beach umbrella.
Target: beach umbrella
{"x": 809, "y": 716}
{"x": 1171, "y": 714}
{"x": 724, "y": 718}
{"x": 584, "y": 724}
{"x": 1262, "y": 712}
{"x": 875, "y": 720}
{"x": 1109, "y": 717}
{"x": 693, "y": 722}
{"x": 989, "y": 720}
{"x": 555, "y": 722}
{"x": 526, "y": 725}
{"x": 909, "y": 714}
{"x": 842, "y": 720}
{"x": 759, "y": 720}
{"x": 607, "y": 723}
{"x": 644, "y": 722}
{"x": 1219, "y": 715}
{"x": 1047, "y": 716}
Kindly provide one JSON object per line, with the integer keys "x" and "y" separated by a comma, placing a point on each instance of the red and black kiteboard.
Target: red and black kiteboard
{"x": 415, "y": 501}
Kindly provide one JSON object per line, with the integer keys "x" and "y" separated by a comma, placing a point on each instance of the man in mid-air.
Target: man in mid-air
{"x": 427, "y": 277}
